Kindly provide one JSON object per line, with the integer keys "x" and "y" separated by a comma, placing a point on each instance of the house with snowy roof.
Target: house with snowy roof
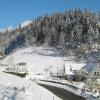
{"x": 93, "y": 71}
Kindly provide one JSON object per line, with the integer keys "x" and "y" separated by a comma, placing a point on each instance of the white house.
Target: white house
{"x": 93, "y": 71}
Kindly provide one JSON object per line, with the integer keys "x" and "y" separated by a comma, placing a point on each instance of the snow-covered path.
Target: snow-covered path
{"x": 11, "y": 89}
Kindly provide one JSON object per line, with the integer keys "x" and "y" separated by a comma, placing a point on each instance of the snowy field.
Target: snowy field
{"x": 35, "y": 63}
{"x": 11, "y": 89}
{"x": 38, "y": 62}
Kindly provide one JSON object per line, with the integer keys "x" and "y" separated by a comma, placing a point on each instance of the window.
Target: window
{"x": 95, "y": 73}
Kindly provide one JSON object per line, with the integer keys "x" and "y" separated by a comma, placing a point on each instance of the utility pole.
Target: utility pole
{"x": 57, "y": 71}
{"x": 53, "y": 97}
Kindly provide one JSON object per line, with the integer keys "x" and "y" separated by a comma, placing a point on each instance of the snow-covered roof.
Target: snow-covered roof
{"x": 69, "y": 65}
{"x": 74, "y": 65}
{"x": 89, "y": 66}
{"x": 68, "y": 72}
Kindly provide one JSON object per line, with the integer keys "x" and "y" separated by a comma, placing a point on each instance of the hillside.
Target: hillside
{"x": 50, "y": 44}
{"x": 36, "y": 62}
{"x": 74, "y": 32}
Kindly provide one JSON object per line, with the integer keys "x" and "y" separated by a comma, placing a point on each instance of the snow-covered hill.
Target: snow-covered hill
{"x": 34, "y": 62}
{"x": 37, "y": 61}
{"x": 11, "y": 86}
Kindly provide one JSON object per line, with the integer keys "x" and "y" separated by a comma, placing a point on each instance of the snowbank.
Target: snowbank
{"x": 8, "y": 91}
{"x": 35, "y": 63}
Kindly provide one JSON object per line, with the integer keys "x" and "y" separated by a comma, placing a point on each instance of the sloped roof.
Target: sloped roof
{"x": 90, "y": 66}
